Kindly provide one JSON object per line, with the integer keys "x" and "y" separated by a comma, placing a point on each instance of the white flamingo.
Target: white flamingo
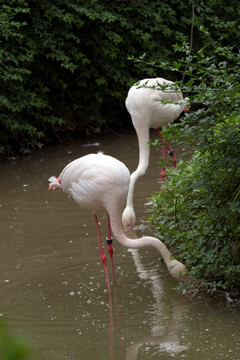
{"x": 98, "y": 181}
{"x": 152, "y": 103}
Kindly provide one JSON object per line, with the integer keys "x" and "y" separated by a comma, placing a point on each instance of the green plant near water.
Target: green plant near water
{"x": 13, "y": 346}
{"x": 198, "y": 211}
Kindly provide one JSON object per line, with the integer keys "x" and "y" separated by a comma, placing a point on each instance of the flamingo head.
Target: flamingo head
{"x": 128, "y": 218}
{"x": 177, "y": 270}
{"x": 54, "y": 183}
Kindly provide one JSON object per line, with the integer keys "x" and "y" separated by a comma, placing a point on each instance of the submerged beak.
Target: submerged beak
{"x": 129, "y": 231}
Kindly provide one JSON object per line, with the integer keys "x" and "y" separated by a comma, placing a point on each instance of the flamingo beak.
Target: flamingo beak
{"x": 129, "y": 228}
{"x": 51, "y": 187}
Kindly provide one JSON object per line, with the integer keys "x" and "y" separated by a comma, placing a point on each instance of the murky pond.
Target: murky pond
{"x": 53, "y": 284}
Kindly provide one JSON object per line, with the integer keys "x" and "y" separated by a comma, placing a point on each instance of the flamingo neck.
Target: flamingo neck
{"x": 128, "y": 216}
{"x": 174, "y": 266}
{"x": 144, "y": 153}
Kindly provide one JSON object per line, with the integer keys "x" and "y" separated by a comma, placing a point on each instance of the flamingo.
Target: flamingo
{"x": 98, "y": 181}
{"x": 152, "y": 103}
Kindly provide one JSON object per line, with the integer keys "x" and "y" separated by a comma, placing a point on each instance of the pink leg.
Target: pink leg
{"x": 163, "y": 169}
{"x": 170, "y": 152}
{"x": 110, "y": 249}
{"x": 102, "y": 254}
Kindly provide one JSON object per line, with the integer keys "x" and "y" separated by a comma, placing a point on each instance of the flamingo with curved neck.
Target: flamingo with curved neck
{"x": 98, "y": 181}
{"x": 152, "y": 103}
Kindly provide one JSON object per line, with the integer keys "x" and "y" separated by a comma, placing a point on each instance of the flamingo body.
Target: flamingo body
{"x": 147, "y": 103}
{"x": 98, "y": 181}
{"x": 152, "y": 103}
{"x": 92, "y": 181}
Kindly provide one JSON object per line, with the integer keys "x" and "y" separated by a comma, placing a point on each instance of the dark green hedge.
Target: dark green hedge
{"x": 64, "y": 64}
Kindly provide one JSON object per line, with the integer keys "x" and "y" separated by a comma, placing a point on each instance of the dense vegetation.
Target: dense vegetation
{"x": 13, "y": 346}
{"x": 198, "y": 210}
{"x": 64, "y": 67}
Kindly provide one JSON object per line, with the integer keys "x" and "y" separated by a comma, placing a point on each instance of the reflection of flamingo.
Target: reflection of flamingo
{"x": 98, "y": 181}
{"x": 117, "y": 326}
{"x": 152, "y": 103}
{"x": 165, "y": 337}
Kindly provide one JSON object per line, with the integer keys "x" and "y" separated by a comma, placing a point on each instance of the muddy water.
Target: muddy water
{"x": 53, "y": 285}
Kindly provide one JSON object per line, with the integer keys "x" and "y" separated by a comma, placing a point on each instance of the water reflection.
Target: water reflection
{"x": 52, "y": 281}
{"x": 165, "y": 337}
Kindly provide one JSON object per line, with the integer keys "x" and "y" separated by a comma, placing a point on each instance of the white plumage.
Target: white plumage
{"x": 152, "y": 103}
{"x": 98, "y": 181}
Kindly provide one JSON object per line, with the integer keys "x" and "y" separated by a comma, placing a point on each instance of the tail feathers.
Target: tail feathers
{"x": 54, "y": 183}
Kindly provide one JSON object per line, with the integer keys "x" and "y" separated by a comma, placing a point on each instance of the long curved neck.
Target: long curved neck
{"x": 128, "y": 216}
{"x": 174, "y": 266}
{"x": 144, "y": 153}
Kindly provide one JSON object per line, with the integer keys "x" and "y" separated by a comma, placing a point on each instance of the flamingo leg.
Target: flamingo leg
{"x": 102, "y": 254}
{"x": 110, "y": 248}
{"x": 170, "y": 152}
{"x": 163, "y": 169}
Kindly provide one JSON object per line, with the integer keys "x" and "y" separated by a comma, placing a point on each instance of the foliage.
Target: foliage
{"x": 198, "y": 210}
{"x": 64, "y": 65}
{"x": 13, "y": 346}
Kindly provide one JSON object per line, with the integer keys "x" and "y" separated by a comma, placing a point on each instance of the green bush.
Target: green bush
{"x": 64, "y": 64}
{"x": 13, "y": 346}
{"x": 198, "y": 211}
